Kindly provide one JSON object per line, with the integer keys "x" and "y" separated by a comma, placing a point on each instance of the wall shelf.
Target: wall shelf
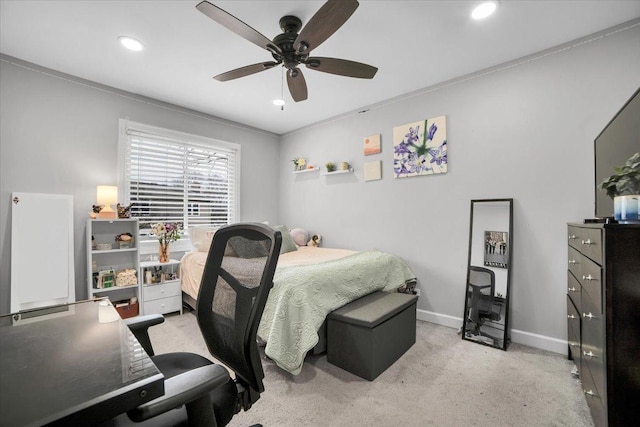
{"x": 337, "y": 172}
{"x": 307, "y": 170}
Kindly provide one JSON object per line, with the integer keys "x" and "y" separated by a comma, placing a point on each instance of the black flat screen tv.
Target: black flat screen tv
{"x": 618, "y": 141}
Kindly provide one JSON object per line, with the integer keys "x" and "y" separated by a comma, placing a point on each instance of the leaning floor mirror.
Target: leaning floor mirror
{"x": 486, "y": 306}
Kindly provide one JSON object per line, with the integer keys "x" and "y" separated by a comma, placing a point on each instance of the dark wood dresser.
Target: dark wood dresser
{"x": 603, "y": 309}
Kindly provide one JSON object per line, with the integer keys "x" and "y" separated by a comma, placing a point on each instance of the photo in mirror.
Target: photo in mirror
{"x": 496, "y": 249}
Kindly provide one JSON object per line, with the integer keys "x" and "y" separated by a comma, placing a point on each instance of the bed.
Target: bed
{"x": 309, "y": 283}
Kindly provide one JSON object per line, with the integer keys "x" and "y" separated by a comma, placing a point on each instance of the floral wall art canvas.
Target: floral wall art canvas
{"x": 420, "y": 148}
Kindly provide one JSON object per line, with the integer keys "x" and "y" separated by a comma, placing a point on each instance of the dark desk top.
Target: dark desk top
{"x": 71, "y": 368}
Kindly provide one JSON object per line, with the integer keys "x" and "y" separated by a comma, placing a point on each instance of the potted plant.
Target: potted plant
{"x": 624, "y": 188}
{"x": 331, "y": 167}
{"x": 299, "y": 163}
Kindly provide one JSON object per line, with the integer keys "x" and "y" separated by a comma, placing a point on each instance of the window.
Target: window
{"x": 171, "y": 176}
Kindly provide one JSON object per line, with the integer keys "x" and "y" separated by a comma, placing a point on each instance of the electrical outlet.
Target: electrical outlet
{"x": 417, "y": 291}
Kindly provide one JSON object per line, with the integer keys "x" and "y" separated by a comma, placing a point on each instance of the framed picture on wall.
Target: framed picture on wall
{"x": 496, "y": 249}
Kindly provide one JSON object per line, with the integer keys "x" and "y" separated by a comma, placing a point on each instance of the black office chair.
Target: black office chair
{"x": 230, "y": 303}
{"x": 480, "y": 303}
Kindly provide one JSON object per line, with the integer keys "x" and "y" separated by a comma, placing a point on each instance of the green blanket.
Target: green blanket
{"x": 303, "y": 296}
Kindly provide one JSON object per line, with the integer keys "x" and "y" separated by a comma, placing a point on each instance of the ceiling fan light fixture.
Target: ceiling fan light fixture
{"x": 484, "y": 10}
{"x": 131, "y": 43}
{"x": 278, "y": 102}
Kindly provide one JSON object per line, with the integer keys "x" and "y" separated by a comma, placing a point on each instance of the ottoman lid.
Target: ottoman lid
{"x": 373, "y": 309}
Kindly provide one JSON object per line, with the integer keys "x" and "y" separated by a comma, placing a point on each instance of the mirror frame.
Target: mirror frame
{"x": 506, "y": 335}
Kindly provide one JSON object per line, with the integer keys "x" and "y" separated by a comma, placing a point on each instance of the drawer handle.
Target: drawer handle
{"x": 572, "y": 261}
{"x": 572, "y": 289}
{"x": 590, "y": 393}
{"x": 571, "y": 316}
{"x": 589, "y": 316}
{"x": 587, "y": 242}
{"x": 587, "y": 277}
{"x": 572, "y": 237}
{"x": 588, "y": 354}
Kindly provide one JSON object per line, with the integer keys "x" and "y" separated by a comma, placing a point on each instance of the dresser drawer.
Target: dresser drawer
{"x": 593, "y": 343}
{"x": 574, "y": 259}
{"x": 163, "y": 290}
{"x": 575, "y": 236}
{"x": 591, "y": 280}
{"x": 163, "y": 305}
{"x": 591, "y": 244}
{"x": 574, "y": 291}
{"x": 594, "y": 399}
{"x": 573, "y": 333}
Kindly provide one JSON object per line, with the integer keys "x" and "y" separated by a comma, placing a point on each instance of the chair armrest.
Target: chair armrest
{"x": 182, "y": 389}
{"x": 140, "y": 325}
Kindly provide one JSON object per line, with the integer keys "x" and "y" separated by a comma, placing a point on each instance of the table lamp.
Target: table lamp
{"x": 107, "y": 195}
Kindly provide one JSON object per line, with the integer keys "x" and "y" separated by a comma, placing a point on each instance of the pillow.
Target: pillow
{"x": 299, "y": 236}
{"x": 201, "y": 237}
{"x": 288, "y": 245}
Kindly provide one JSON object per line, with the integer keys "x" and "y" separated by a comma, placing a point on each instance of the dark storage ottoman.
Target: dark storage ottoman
{"x": 367, "y": 335}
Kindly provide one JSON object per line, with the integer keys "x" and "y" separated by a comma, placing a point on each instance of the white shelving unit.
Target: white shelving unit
{"x": 161, "y": 291}
{"x": 103, "y": 232}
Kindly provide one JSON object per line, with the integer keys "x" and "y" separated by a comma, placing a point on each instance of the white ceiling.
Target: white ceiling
{"x": 415, "y": 44}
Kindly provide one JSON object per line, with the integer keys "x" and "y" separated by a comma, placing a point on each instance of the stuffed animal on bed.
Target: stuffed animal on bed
{"x": 315, "y": 240}
{"x": 299, "y": 236}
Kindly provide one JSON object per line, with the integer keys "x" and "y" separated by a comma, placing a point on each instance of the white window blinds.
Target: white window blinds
{"x": 175, "y": 177}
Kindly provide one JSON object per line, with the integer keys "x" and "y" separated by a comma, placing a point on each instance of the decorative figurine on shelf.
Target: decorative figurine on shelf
{"x": 124, "y": 212}
{"x": 95, "y": 210}
{"x": 315, "y": 240}
{"x": 125, "y": 240}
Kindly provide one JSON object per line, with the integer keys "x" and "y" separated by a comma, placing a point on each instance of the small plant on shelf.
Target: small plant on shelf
{"x": 331, "y": 167}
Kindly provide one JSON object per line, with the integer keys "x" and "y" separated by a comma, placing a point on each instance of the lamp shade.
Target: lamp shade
{"x": 107, "y": 195}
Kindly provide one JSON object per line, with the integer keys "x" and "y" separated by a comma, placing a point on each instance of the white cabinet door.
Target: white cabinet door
{"x": 42, "y": 265}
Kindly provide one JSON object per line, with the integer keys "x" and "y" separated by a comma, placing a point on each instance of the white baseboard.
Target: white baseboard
{"x": 439, "y": 319}
{"x": 521, "y": 337}
{"x": 539, "y": 341}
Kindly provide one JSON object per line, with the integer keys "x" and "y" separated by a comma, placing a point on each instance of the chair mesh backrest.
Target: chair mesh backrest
{"x": 235, "y": 284}
{"x": 480, "y": 276}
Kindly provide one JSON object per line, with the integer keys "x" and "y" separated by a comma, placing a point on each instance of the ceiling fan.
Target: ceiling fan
{"x": 292, "y": 47}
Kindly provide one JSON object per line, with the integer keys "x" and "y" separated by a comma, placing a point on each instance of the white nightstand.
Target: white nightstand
{"x": 161, "y": 292}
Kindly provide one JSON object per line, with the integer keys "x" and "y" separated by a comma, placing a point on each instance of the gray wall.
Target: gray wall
{"x": 523, "y": 130}
{"x": 59, "y": 134}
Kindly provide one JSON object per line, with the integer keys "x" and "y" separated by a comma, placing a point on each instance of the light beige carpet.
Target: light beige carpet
{"x": 440, "y": 381}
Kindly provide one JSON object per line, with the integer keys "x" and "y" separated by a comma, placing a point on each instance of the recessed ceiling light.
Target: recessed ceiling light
{"x": 278, "y": 102}
{"x": 484, "y": 10}
{"x": 131, "y": 43}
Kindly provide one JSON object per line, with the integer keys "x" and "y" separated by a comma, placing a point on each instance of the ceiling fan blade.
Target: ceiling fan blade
{"x": 341, "y": 67}
{"x": 297, "y": 84}
{"x": 237, "y": 26}
{"x": 245, "y": 71}
{"x": 324, "y": 23}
